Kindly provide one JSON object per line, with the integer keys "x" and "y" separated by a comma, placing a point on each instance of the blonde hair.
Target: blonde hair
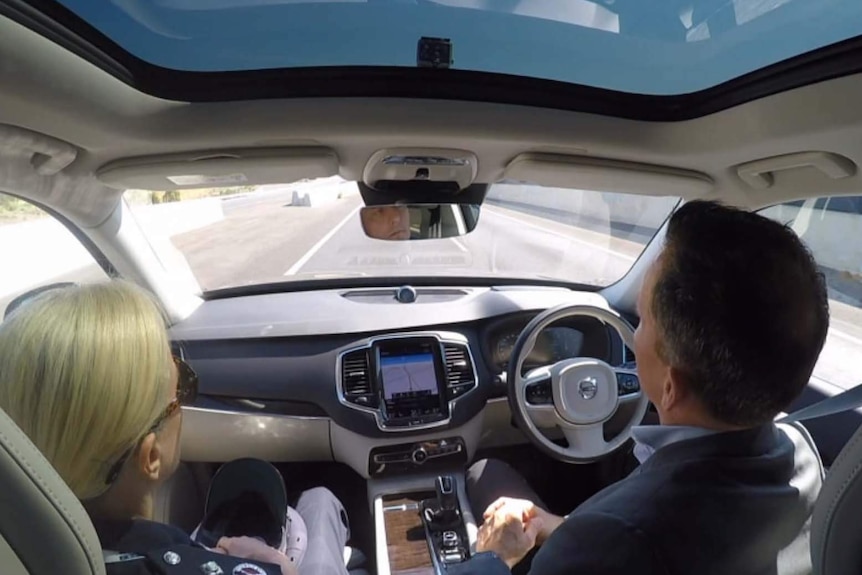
{"x": 84, "y": 371}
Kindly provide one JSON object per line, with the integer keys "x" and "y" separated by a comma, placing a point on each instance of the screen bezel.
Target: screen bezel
{"x": 408, "y": 346}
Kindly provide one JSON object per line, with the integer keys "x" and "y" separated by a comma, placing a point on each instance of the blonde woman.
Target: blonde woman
{"x": 87, "y": 373}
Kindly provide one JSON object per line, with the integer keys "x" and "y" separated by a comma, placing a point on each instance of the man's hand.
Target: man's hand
{"x": 256, "y": 550}
{"x": 528, "y": 512}
{"x": 508, "y": 532}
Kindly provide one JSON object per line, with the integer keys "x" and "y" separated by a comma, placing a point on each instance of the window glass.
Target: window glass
{"x": 37, "y": 250}
{"x": 831, "y": 228}
{"x": 637, "y": 46}
{"x": 312, "y": 230}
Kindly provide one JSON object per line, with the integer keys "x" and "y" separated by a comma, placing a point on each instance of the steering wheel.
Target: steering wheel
{"x": 577, "y": 395}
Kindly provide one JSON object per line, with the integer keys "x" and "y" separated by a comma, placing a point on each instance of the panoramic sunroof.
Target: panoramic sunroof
{"x": 651, "y": 47}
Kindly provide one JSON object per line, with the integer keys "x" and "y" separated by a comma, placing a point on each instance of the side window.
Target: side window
{"x": 36, "y": 250}
{"x": 832, "y": 230}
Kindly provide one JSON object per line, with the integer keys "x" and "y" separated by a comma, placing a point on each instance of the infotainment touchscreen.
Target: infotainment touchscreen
{"x": 410, "y": 380}
{"x": 407, "y": 376}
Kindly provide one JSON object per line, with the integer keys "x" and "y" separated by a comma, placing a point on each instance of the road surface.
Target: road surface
{"x": 265, "y": 239}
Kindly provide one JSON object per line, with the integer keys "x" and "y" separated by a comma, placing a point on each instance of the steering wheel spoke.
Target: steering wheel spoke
{"x": 631, "y": 398}
{"x": 544, "y": 416}
{"x": 587, "y": 439}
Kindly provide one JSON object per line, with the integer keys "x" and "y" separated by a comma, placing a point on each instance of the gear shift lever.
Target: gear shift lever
{"x": 447, "y": 499}
{"x": 443, "y": 511}
{"x": 444, "y": 522}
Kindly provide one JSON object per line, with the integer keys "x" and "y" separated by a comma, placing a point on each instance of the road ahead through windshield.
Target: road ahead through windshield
{"x": 262, "y": 232}
{"x": 267, "y": 239}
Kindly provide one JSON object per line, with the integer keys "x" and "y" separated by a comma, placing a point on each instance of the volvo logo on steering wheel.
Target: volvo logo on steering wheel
{"x": 588, "y": 387}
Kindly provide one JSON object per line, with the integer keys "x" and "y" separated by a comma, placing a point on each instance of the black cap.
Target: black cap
{"x": 247, "y": 497}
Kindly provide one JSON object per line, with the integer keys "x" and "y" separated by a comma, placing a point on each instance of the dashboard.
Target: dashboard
{"x": 357, "y": 376}
{"x": 574, "y": 337}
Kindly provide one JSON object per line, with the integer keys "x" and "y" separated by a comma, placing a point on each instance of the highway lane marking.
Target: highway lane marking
{"x": 316, "y": 247}
{"x": 565, "y": 237}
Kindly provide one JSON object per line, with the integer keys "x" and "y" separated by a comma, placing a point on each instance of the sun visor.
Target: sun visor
{"x": 586, "y": 173}
{"x": 226, "y": 168}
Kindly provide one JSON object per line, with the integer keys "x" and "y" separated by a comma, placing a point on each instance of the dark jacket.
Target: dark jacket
{"x": 139, "y": 547}
{"x": 735, "y": 503}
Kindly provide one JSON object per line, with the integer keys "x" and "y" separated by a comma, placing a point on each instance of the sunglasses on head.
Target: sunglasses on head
{"x": 187, "y": 392}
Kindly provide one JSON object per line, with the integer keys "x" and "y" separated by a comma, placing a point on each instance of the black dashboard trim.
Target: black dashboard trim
{"x": 287, "y": 408}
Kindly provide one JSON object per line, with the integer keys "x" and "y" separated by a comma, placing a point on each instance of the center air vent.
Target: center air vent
{"x": 355, "y": 378}
{"x": 460, "y": 377}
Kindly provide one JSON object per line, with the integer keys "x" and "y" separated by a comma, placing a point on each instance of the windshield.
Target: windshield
{"x": 312, "y": 230}
{"x": 656, "y": 47}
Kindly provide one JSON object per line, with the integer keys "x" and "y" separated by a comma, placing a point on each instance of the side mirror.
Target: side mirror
{"x": 401, "y": 222}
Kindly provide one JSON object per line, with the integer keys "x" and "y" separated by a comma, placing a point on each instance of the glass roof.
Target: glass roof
{"x": 658, "y": 47}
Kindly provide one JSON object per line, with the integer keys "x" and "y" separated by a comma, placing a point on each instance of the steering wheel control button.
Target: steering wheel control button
{"x": 628, "y": 383}
{"x": 539, "y": 393}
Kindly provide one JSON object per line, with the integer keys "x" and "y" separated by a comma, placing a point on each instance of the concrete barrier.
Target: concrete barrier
{"x": 35, "y": 251}
{"x": 179, "y": 217}
{"x": 322, "y": 194}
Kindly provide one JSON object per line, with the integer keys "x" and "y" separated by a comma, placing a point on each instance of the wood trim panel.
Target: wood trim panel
{"x": 405, "y": 535}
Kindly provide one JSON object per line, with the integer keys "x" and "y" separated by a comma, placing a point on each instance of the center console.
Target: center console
{"x": 423, "y": 529}
{"x": 444, "y": 524}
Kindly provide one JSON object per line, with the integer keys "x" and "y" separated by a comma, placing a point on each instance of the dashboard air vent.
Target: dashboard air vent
{"x": 354, "y": 373}
{"x": 459, "y": 370}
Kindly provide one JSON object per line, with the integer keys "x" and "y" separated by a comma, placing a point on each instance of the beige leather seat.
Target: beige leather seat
{"x": 43, "y": 527}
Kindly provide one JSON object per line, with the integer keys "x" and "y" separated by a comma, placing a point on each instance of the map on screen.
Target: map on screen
{"x": 408, "y": 375}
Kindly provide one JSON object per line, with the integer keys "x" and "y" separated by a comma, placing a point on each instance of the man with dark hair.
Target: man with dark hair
{"x": 733, "y": 316}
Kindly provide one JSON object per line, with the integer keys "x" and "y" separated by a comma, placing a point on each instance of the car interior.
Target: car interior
{"x": 498, "y": 128}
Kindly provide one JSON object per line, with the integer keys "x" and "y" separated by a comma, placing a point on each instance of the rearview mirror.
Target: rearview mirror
{"x": 400, "y": 222}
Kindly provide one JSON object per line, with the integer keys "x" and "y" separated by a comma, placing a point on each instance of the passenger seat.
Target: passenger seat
{"x": 44, "y": 529}
{"x": 836, "y": 531}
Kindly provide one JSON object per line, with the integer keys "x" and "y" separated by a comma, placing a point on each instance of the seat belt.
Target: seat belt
{"x": 847, "y": 400}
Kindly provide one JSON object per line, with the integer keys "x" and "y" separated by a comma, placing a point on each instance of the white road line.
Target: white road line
{"x": 459, "y": 245}
{"x": 845, "y": 336}
{"x": 314, "y": 249}
{"x": 565, "y": 237}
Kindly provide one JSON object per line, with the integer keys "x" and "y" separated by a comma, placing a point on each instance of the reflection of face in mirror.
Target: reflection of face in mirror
{"x": 386, "y": 222}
